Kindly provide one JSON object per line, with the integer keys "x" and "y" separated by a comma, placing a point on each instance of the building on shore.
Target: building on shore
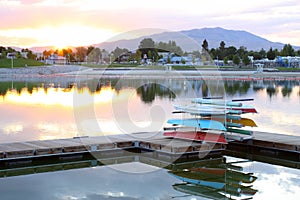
{"x": 56, "y": 59}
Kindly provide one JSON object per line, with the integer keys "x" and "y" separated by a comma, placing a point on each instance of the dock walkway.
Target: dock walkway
{"x": 266, "y": 144}
{"x": 146, "y": 141}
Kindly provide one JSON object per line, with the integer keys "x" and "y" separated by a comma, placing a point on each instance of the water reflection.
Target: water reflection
{"x": 84, "y": 177}
{"x": 35, "y": 111}
{"x": 48, "y": 112}
{"x": 237, "y": 87}
{"x": 214, "y": 178}
{"x": 148, "y": 92}
{"x": 215, "y": 181}
{"x": 286, "y": 91}
{"x": 168, "y": 87}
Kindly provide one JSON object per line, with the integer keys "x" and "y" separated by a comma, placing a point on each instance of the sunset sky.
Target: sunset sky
{"x": 28, "y": 23}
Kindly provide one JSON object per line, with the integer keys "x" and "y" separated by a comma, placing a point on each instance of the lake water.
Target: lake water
{"x": 35, "y": 111}
{"x": 138, "y": 180}
{"x": 42, "y": 111}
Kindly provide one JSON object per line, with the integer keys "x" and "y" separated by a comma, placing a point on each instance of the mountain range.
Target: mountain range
{"x": 190, "y": 40}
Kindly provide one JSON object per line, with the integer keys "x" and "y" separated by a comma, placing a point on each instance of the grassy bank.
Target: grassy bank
{"x": 285, "y": 69}
{"x": 19, "y": 62}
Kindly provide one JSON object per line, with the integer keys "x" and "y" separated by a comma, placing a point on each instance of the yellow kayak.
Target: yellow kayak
{"x": 242, "y": 121}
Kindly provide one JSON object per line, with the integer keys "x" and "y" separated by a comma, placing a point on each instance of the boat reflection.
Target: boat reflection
{"x": 215, "y": 181}
{"x": 212, "y": 178}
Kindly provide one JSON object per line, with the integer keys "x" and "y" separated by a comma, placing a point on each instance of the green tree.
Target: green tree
{"x": 149, "y": 55}
{"x": 213, "y": 53}
{"x": 262, "y": 53}
{"x": 222, "y": 50}
{"x": 171, "y": 46}
{"x": 30, "y": 54}
{"x": 94, "y": 55}
{"x": 18, "y": 55}
{"x": 271, "y": 55}
{"x": 146, "y": 45}
{"x": 10, "y": 50}
{"x": 90, "y": 49}
{"x": 236, "y": 60}
{"x": 230, "y": 51}
{"x": 226, "y": 60}
{"x": 48, "y": 53}
{"x": 118, "y": 52}
{"x": 81, "y": 53}
{"x": 246, "y": 60}
{"x": 168, "y": 59}
{"x": 222, "y": 45}
{"x": 138, "y": 56}
{"x": 256, "y": 56}
{"x": 68, "y": 54}
{"x": 242, "y": 51}
{"x": 2, "y": 52}
{"x": 183, "y": 61}
{"x": 205, "y": 52}
{"x": 205, "y": 45}
{"x": 287, "y": 50}
{"x": 2, "y": 49}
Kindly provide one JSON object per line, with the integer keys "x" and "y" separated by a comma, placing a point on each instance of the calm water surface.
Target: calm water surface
{"x": 38, "y": 111}
{"x": 137, "y": 180}
{"x": 41, "y": 112}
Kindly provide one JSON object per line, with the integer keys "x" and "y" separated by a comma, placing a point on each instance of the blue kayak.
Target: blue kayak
{"x": 198, "y": 123}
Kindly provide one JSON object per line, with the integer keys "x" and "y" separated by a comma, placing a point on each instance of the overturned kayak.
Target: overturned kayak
{"x": 198, "y": 123}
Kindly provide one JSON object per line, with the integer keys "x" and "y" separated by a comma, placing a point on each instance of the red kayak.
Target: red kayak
{"x": 245, "y": 109}
{"x": 198, "y": 136}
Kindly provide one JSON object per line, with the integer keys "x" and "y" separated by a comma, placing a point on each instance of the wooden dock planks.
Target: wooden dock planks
{"x": 149, "y": 141}
{"x": 278, "y": 141}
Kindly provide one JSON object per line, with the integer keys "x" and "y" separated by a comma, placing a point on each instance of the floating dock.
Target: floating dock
{"x": 144, "y": 141}
{"x": 265, "y": 147}
{"x": 268, "y": 147}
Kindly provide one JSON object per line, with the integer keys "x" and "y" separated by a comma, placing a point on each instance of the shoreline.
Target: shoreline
{"x": 76, "y": 72}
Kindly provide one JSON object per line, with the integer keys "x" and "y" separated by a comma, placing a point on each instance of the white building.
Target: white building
{"x": 11, "y": 55}
{"x": 56, "y": 59}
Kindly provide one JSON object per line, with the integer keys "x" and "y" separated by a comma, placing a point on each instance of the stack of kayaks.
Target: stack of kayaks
{"x": 211, "y": 120}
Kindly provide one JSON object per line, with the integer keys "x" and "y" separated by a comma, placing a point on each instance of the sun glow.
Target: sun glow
{"x": 59, "y": 36}
{"x": 68, "y": 97}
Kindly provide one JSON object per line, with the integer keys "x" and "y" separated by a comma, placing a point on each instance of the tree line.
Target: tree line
{"x": 6, "y": 50}
{"x": 148, "y": 49}
{"x": 242, "y": 54}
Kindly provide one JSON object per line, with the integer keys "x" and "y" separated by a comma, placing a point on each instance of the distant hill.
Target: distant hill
{"x": 231, "y": 38}
{"x": 190, "y": 40}
{"x": 193, "y": 39}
